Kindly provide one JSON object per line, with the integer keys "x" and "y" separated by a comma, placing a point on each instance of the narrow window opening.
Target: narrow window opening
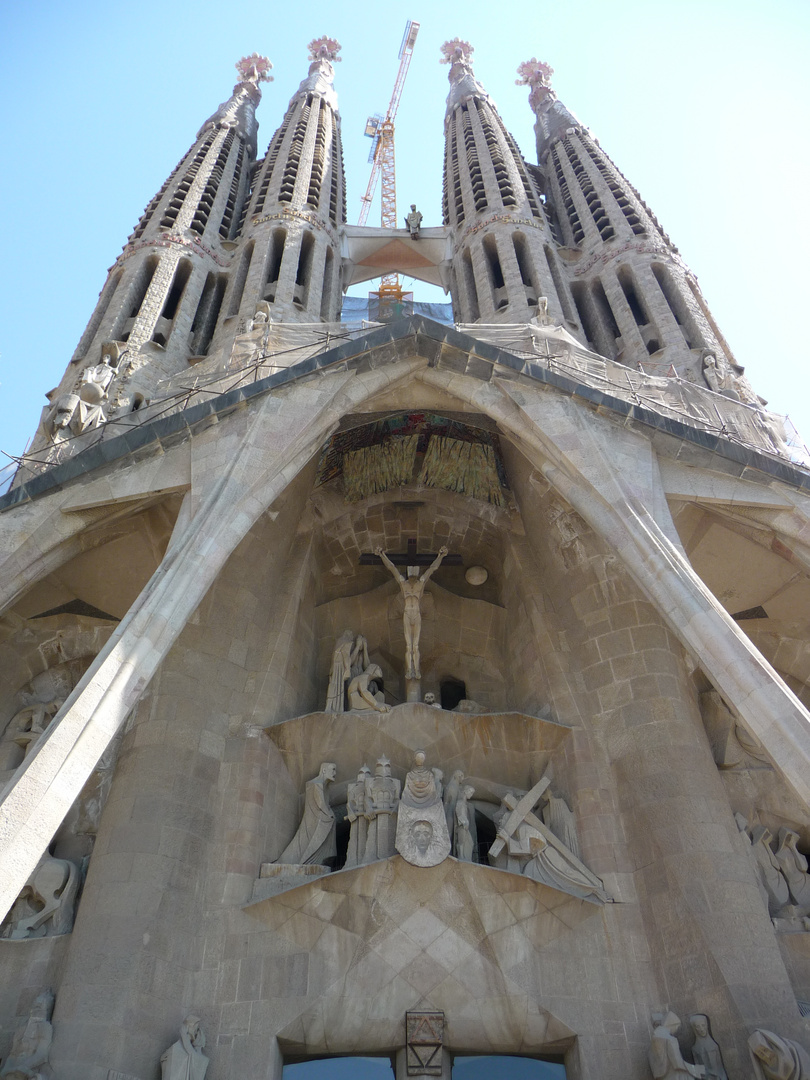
{"x": 525, "y": 267}
{"x": 678, "y": 306}
{"x": 587, "y": 319}
{"x": 631, "y": 295}
{"x": 604, "y": 308}
{"x": 208, "y": 309}
{"x": 495, "y": 272}
{"x": 278, "y": 240}
{"x": 602, "y": 305}
{"x": 123, "y": 324}
{"x": 179, "y": 282}
{"x": 304, "y": 271}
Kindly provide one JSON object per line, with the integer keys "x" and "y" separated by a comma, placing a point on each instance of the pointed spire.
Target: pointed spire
{"x": 463, "y": 83}
{"x": 323, "y": 55}
{"x": 553, "y": 119}
{"x": 239, "y": 111}
{"x": 298, "y": 202}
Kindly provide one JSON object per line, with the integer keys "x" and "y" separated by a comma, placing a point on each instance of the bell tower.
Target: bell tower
{"x": 162, "y": 298}
{"x": 503, "y": 260}
{"x": 636, "y": 300}
{"x": 289, "y": 252}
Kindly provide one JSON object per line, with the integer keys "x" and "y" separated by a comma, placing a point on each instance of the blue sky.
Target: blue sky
{"x": 703, "y": 104}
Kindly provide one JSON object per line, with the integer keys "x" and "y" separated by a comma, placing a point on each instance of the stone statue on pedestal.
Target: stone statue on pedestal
{"x": 770, "y": 873}
{"x": 185, "y": 1060}
{"x": 666, "y": 1061}
{"x": 361, "y": 696}
{"x": 794, "y": 868}
{"x": 414, "y": 222}
{"x": 382, "y": 802}
{"x": 315, "y": 840}
{"x": 31, "y": 1046}
{"x": 705, "y": 1050}
{"x": 356, "y": 813}
{"x": 350, "y": 658}
{"x": 422, "y": 837}
{"x": 775, "y": 1058}
{"x": 465, "y": 838}
{"x": 452, "y": 789}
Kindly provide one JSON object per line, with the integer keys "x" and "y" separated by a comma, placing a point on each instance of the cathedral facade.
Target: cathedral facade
{"x": 404, "y": 689}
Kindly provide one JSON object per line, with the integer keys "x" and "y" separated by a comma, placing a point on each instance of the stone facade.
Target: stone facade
{"x": 579, "y": 808}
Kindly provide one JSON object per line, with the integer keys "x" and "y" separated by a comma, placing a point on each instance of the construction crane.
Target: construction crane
{"x": 380, "y": 129}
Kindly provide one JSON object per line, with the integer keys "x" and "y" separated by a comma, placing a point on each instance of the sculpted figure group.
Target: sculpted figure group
{"x": 782, "y": 872}
{"x": 31, "y": 1045}
{"x": 772, "y": 1057}
{"x": 426, "y": 819}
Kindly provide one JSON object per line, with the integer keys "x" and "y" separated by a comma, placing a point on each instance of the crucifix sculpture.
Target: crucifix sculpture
{"x": 412, "y": 588}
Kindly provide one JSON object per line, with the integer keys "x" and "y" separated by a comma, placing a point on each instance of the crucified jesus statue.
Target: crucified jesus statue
{"x": 412, "y": 588}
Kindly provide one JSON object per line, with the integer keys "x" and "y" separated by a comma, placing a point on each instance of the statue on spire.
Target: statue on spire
{"x": 537, "y": 74}
{"x": 254, "y": 69}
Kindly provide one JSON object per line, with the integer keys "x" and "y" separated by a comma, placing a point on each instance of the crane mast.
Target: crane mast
{"x": 381, "y": 130}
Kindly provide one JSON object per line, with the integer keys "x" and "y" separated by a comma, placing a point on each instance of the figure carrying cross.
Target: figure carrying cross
{"x": 412, "y": 588}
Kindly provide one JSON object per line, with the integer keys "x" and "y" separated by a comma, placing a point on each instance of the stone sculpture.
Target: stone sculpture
{"x": 775, "y": 1058}
{"x": 350, "y": 658}
{"x": 430, "y": 699}
{"x": 414, "y": 222}
{"x": 356, "y": 813}
{"x": 71, "y": 415}
{"x": 705, "y": 1050}
{"x": 261, "y": 316}
{"x": 59, "y": 422}
{"x": 770, "y": 873}
{"x": 450, "y": 796}
{"x": 794, "y": 869}
{"x": 23, "y": 732}
{"x": 382, "y": 802}
{"x": 666, "y": 1061}
{"x": 185, "y": 1060}
{"x": 412, "y": 588}
{"x": 465, "y": 838}
{"x": 315, "y": 840}
{"x": 422, "y": 837}
{"x": 559, "y": 818}
{"x": 541, "y": 316}
{"x": 361, "y": 696}
{"x": 31, "y": 1046}
{"x": 47, "y": 903}
{"x": 95, "y": 381}
{"x": 524, "y": 845}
